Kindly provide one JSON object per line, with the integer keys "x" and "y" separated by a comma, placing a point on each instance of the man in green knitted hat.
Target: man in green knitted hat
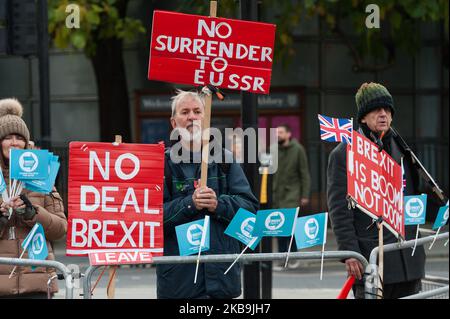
{"x": 402, "y": 272}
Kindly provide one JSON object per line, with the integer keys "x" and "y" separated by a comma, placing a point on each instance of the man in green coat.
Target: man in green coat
{"x": 291, "y": 182}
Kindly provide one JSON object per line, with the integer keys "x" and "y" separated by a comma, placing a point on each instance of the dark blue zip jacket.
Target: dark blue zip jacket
{"x": 233, "y": 192}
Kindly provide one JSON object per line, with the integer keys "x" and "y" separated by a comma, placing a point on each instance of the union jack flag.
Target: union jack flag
{"x": 335, "y": 130}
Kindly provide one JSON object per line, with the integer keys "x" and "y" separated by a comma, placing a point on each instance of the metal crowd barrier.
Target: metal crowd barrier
{"x": 230, "y": 258}
{"x": 371, "y": 282}
{"x": 432, "y": 283}
{"x": 68, "y": 278}
{"x": 431, "y": 294}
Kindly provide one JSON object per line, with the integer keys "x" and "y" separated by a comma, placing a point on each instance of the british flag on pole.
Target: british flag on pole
{"x": 335, "y": 130}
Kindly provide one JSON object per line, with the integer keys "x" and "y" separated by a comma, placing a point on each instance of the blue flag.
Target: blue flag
{"x": 36, "y": 244}
{"x": 275, "y": 222}
{"x": 45, "y": 185}
{"x": 415, "y": 209}
{"x": 29, "y": 164}
{"x": 2, "y": 182}
{"x": 311, "y": 230}
{"x": 442, "y": 217}
{"x": 241, "y": 227}
{"x": 189, "y": 237}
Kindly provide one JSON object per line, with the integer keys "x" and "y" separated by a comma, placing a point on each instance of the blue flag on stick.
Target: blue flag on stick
{"x": 241, "y": 227}
{"x": 36, "y": 243}
{"x": 189, "y": 237}
{"x": 275, "y": 222}
{"x": 311, "y": 230}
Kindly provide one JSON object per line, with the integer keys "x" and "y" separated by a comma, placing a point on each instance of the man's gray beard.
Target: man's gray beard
{"x": 195, "y": 136}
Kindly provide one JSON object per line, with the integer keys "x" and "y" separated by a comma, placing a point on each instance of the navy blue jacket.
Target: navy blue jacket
{"x": 233, "y": 192}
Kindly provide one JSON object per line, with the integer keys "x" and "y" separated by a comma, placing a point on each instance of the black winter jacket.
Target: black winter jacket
{"x": 350, "y": 226}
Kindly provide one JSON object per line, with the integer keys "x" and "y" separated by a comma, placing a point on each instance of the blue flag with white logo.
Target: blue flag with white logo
{"x": 189, "y": 237}
{"x": 29, "y": 164}
{"x": 442, "y": 217}
{"x": 241, "y": 227}
{"x": 45, "y": 185}
{"x": 275, "y": 222}
{"x": 311, "y": 230}
{"x": 36, "y": 244}
{"x": 415, "y": 209}
{"x": 2, "y": 182}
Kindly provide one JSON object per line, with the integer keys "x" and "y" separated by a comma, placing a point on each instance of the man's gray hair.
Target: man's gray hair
{"x": 181, "y": 95}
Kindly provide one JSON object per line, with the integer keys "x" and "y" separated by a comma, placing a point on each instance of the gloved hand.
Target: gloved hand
{"x": 29, "y": 211}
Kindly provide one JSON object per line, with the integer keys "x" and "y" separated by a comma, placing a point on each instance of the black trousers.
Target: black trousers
{"x": 392, "y": 291}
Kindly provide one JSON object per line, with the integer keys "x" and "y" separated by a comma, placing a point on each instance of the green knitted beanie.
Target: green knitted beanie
{"x": 372, "y": 96}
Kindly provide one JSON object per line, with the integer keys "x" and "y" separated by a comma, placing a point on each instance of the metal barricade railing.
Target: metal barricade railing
{"x": 371, "y": 283}
{"x": 433, "y": 287}
{"x": 429, "y": 294}
{"x": 232, "y": 257}
{"x": 430, "y": 283}
{"x": 68, "y": 278}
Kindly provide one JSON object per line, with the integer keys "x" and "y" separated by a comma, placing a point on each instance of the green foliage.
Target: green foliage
{"x": 398, "y": 20}
{"x": 99, "y": 19}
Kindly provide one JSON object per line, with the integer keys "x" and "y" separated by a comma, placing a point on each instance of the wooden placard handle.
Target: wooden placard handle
{"x": 207, "y": 119}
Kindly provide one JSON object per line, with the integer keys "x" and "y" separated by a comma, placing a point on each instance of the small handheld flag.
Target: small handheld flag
{"x": 335, "y": 129}
{"x": 241, "y": 227}
{"x": 415, "y": 211}
{"x": 36, "y": 244}
{"x": 275, "y": 222}
{"x": 189, "y": 237}
{"x": 311, "y": 231}
{"x": 440, "y": 221}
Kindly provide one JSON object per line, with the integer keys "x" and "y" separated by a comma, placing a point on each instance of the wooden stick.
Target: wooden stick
{"x": 380, "y": 260}
{"x": 207, "y": 118}
{"x": 213, "y": 9}
{"x": 205, "y": 139}
{"x": 118, "y": 139}
{"x": 111, "y": 288}
{"x": 15, "y": 267}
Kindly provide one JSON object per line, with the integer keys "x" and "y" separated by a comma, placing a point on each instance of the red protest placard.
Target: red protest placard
{"x": 374, "y": 181}
{"x": 115, "y": 198}
{"x": 199, "y": 50}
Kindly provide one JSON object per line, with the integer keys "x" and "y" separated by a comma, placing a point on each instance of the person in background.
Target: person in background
{"x": 292, "y": 181}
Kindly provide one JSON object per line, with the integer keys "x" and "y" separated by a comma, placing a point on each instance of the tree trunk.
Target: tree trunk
{"x": 112, "y": 90}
